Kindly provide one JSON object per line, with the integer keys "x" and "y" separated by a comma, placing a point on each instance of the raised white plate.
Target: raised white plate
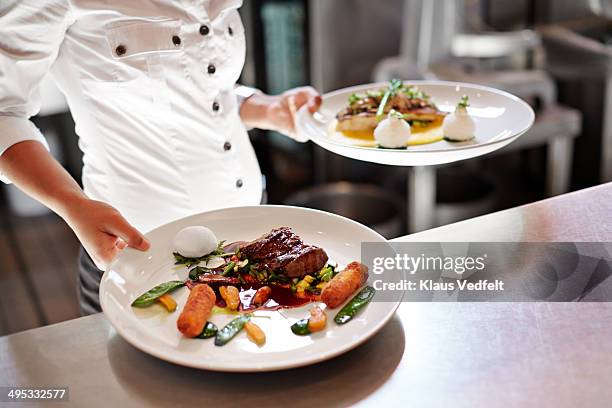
{"x": 153, "y": 330}
{"x": 500, "y": 119}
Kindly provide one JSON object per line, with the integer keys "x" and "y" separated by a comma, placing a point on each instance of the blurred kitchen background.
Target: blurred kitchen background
{"x": 556, "y": 54}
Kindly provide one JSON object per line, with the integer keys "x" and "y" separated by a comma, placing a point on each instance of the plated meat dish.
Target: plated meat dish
{"x": 365, "y": 110}
{"x": 283, "y": 251}
{"x": 398, "y": 117}
{"x": 275, "y": 271}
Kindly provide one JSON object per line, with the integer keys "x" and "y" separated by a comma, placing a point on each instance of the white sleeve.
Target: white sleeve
{"x": 31, "y": 32}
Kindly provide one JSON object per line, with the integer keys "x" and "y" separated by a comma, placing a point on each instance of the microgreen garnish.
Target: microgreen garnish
{"x": 194, "y": 273}
{"x": 464, "y": 102}
{"x": 395, "y": 114}
{"x": 354, "y": 98}
{"x": 189, "y": 262}
{"x": 394, "y": 86}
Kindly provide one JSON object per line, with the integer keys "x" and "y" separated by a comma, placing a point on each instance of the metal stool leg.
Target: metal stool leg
{"x": 559, "y": 165}
{"x": 421, "y": 198}
{"x": 606, "y": 142}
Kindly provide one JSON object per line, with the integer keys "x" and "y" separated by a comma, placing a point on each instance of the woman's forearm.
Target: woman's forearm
{"x": 254, "y": 111}
{"x": 32, "y": 168}
{"x": 278, "y": 112}
{"x": 101, "y": 229}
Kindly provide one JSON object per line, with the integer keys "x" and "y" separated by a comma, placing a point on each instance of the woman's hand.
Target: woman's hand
{"x": 278, "y": 112}
{"x": 100, "y": 228}
{"x": 103, "y": 231}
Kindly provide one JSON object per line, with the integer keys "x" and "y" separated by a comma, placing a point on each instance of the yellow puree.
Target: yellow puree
{"x": 420, "y": 135}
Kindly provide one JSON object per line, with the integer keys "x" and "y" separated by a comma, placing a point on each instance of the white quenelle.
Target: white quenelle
{"x": 393, "y": 132}
{"x": 195, "y": 242}
{"x": 460, "y": 126}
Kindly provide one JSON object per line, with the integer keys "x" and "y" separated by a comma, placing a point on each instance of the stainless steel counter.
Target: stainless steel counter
{"x": 430, "y": 354}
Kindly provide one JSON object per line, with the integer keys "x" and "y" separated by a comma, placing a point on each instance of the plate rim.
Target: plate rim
{"x": 275, "y": 366}
{"x": 303, "y": 112}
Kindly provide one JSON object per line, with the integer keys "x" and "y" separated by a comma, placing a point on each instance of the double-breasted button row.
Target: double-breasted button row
{"x": 121, "y": 49}
{"x": 176, "y": 40}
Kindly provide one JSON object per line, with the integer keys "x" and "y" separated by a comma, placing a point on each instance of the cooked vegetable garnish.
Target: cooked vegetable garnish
{"x": 355, "y": 305}
{"x": 261, "y": 296}
{"x": 326, "y": 273}
{"x": 231, "y": 295}
{"x": 197, "y": 271}
{"x": 300, "y": 327}
{"x": 318, "y": 319}
{"x": 255, "y": 334}
{"x": 210, "y": 330}
{"x": 148, "y": 298}
{"x": 316, "y": 322}
{"x": 229, "y": 268}
{"x": 168, "y": 302}
{"x": 230, "y": 330}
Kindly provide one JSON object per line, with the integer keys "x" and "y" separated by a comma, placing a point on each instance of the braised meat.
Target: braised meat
{"x": 282, "y": 251}
{"x": 360, "y": 114}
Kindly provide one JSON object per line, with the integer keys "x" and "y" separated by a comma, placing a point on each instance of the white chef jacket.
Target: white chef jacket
{"x": 150, "y": 85}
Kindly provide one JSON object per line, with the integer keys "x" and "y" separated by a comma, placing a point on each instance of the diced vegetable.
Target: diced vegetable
{"x": 300, "y": 327}
{"x": 321, "y": 286}
{"x": 231, "y": 295}
{"x": 168, "y": 302}
{"x": 355, "y": 305}
{"x": 255, "y": 334}
{"x": 230, "y": 330}
{"x": 304, "y": 283}
{"x": 229, "y": 268}
{"x": 149, "y": 297}
{"x": 326, "y": 274}
{"x": 210, "y": 330}
{"x": 261, "y": 296}
{"x": 318, "y": 319}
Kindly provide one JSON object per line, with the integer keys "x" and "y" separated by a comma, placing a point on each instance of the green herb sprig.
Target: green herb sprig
{"x": 395, "y": 85}
{"x": 189, "y": 262}
{"x": 464, "y": 102}
{"x": 194, "y": 273}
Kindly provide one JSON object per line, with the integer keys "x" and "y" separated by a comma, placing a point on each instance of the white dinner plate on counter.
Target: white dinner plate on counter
{"x": 500, "y": 119}
{"x": 153, "y": 330}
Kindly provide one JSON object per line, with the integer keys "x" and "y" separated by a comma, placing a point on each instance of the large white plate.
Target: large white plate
{"x": 500, "y": 119}
{"x": 153, "y": 330}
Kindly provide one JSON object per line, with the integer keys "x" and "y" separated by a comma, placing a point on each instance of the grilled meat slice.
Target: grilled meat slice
{"x": 281, "y": 250}
{"x": 212, "y": 280}
{"x": 360, "y": 115}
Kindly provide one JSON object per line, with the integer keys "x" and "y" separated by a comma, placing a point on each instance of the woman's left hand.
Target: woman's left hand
{"x": 278, "y": 112}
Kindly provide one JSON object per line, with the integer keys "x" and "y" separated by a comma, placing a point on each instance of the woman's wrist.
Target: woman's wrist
{"x": 69, "y": 203}
{"x": 257, "y": 111}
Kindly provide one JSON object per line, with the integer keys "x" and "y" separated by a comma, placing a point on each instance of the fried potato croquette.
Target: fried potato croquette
{"x": 344, "y": 284}
{"x": 196, "y": 311}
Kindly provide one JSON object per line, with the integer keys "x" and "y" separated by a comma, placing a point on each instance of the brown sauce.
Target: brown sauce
{"x": 280, "y": 297}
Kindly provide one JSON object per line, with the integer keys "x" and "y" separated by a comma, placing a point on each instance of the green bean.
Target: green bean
{"x": 355, "y": 305}
{"x": 300, "y": 327}
{"x": 229, "y": 268}
{"x": 230, "y": 330}
{"x": 149, "y": 297}
{"x": 210, "y": 330}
